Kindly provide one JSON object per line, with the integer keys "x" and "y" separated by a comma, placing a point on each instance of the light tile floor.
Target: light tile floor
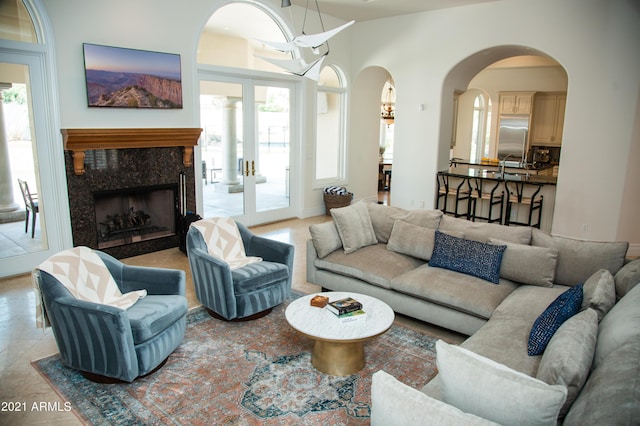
{"x": 21, "y": 342}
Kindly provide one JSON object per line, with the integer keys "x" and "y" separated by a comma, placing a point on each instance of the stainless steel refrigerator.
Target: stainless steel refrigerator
{"x": 512, "y": 138}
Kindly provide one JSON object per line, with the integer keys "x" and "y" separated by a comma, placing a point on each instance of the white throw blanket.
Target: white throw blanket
{"x": 224, "y": 242}
{"x": 87, "y": 278}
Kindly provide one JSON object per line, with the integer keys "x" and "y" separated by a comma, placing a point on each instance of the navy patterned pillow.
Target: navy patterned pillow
{"x": 467, "y": 256}
{"x": 564, "y": 307}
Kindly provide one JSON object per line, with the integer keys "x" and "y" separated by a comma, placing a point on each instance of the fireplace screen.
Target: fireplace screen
{"x": 134, "y": 215}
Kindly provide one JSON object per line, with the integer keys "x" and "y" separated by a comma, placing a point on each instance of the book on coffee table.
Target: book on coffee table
{"x": 352, "y": 316}
{"x": 343, "y": 306}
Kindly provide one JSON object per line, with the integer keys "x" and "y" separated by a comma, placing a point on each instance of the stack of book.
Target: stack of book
{"x": 347, "y": 309}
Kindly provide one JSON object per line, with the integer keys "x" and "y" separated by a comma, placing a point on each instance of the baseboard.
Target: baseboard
{"x": 634, "y": 250}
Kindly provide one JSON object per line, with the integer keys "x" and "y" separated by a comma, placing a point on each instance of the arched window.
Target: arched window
{"x": 330, "y": 133}
{"x": 477, "y": 129}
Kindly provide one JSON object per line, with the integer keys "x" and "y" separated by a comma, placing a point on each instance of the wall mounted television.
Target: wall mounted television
{"x": 119, "y": 77}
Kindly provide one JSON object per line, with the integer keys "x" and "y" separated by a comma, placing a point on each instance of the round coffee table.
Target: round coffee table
{"x": 339, "y": 347}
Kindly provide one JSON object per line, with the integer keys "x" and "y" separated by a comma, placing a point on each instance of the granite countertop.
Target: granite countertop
{"x": 512, "y": 174}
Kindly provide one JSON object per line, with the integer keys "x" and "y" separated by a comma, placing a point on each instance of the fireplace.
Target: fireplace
{"x": 128, "y": 189}
{"x": 136, "y": 214}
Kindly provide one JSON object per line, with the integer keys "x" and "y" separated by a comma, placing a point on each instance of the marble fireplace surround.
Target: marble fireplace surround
{"x": 99, "y": 160}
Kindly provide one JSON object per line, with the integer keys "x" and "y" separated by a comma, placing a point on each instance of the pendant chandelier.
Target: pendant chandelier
{"x": 314, "y": 42}
{"x": 388, "y": 107}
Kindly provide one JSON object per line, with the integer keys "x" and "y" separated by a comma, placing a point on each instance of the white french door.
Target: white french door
{"x": 34, "y": 155}
{"x": 247, "y": 147}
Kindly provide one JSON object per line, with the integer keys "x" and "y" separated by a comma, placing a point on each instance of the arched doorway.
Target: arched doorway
{"x": 366, "y": 128}
{"x": 488, "y": 77}
{"x": 249, "y": 115}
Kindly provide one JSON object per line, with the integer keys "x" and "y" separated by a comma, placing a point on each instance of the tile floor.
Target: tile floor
{"x": 21, "y": 342}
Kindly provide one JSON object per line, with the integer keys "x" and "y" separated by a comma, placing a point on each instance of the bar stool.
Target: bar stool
{"x": 459, "y": 191}
{"x": 534, "y": 202}
{"x": 492, "y": 197}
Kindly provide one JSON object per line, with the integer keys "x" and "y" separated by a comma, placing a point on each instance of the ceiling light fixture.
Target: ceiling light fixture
{"x": 299, "y": 66}
{"x": 388, "y": 107}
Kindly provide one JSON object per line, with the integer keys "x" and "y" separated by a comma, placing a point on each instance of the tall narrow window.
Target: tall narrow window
{"x": 477, "y": 129}
{"x": 330, "y": 140}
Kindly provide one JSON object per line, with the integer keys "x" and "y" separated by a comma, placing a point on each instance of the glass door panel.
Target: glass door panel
{"x": 18, "y": 162}
{"x": 272, "y": 152}
{"x": 221, "y": 118}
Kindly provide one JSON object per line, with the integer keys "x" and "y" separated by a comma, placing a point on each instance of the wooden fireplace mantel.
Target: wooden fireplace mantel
{"x": 80, "y": 140}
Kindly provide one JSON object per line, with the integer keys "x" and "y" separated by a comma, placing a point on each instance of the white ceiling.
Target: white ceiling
{"x": 240, "y": 19}
{"x": 364, "y": 10}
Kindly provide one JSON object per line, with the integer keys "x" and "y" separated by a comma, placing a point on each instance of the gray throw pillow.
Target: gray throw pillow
{"x": 527, "y": 264}
{"x": 619, "y": 326}
{"x": 424, "y": 218}
{"x": 325, "y": 238}
{"x": 578, "y": 260}
{"x": 493, "y": 391}
{"x": 567, "y": 359}
{"x": 413, "y": 240}
{"x": 383, "y": 218}
{"x": 599, "y": 292}
{"x": 354, "y": 226}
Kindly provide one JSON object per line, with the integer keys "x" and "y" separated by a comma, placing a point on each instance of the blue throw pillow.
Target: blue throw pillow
{"x": 564, "y": 307}
{"x": 467, "y": 256}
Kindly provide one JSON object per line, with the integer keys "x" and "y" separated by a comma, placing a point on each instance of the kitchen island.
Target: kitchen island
{"x": 507, "y": 195}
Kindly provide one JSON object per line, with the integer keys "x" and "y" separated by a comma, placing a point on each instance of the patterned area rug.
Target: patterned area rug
{"x": 251, "y": 373}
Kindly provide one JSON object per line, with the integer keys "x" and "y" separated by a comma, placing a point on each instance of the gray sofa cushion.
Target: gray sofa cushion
{"x": 459, "y": 291}
{"x": 354, "y": 226}
{"x": 567, "y": 359}
{"x": 325, "y": 238}
{"x": 382, "y": 218}
{"x": 373, "y": 264}
{"x": 578, "y": 260}
{"x": 527, "y": 264}
{"x": 599, "y": 293}
{"x": 479, "y": 231}
{"x": 620, "y": 325}
{"x": 611, "y": 395}
{"x": 504, "y": 338}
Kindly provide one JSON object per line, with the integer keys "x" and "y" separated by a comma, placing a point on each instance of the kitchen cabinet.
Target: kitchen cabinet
{"x": 547, "y": 121}
{"x": 516, "y": 102}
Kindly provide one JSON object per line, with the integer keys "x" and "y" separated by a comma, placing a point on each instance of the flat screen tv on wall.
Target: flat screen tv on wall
{"x": 118, "y": 77}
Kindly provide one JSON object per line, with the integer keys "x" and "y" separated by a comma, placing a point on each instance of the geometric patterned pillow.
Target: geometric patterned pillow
{"x": 224, "y": 242}
{"x": 469, "y": 257}
{"x": 87, "y": 278}
{"x": 564, "y": 307}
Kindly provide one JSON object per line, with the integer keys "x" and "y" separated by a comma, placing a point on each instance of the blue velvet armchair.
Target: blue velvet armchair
{"x": 245, "y": 293}
{"x": 110, "y": 344}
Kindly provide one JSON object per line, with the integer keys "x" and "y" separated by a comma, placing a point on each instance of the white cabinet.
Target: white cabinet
{"x": 548, "y": 119}
{"x": 516, "y": 102}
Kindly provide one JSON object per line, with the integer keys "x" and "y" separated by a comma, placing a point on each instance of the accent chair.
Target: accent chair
{"x": 110, "y": 344}
{"x": 246, "y": 292}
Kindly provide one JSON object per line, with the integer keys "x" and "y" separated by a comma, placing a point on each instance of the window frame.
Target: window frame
{"x": 342, "y": 91}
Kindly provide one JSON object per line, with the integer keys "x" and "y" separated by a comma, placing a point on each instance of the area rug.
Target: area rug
{"x": 245, "y": 373}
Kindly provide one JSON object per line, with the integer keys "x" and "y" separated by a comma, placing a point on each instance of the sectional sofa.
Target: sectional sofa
{"x": 494, "y": 283}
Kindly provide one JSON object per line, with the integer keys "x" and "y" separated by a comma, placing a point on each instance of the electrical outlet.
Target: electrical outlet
{"x": 585, "y": 228}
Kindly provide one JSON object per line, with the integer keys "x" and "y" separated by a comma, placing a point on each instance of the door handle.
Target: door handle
{"x": 246, "y": 168}
{"x": 253, "y": 168}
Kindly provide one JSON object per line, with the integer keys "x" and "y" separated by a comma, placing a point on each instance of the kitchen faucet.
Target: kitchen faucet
{"x": 504, "y": 163}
